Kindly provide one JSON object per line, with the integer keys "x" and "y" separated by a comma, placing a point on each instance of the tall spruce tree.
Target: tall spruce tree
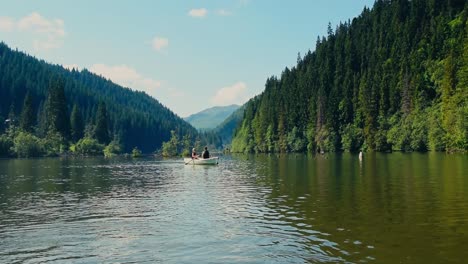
{"x": 101, "y": 130}
{"x": 77, "y": 124}
{"x": 27, "y": 119}
{"x": 56, "y": 109}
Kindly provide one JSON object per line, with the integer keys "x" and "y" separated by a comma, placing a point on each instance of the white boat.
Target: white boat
{"x": 200, "y": 161}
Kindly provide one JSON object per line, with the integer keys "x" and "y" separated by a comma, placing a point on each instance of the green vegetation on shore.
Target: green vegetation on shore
{"x": 47, "y": 110}
{"x": 86, "y": 106}
{"x": 393, "y": 79}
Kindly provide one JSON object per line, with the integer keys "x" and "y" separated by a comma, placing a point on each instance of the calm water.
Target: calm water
{"x": 389, "y": 208}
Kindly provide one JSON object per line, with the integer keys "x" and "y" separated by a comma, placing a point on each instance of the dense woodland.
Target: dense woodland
{"x": 394, "y": 78}
{"x": 45, "y": 109}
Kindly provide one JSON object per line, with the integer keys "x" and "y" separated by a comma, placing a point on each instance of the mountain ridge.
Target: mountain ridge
{"x": 135, "y": 118}
{"x": 395, "y": 78}
{"x": 211, "y": 117}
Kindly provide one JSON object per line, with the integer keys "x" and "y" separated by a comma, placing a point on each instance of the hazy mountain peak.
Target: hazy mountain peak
{"x": 211, "y": 117}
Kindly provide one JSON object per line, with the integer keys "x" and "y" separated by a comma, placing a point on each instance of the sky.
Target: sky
{"x": 189, "y": 55}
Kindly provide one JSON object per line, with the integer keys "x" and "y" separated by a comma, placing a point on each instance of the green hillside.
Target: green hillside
{"x": 226, "y": 129}
{"x": 132, "y": 118}
{"x": 394, "y": 78}
{"x": 211, "y": 117}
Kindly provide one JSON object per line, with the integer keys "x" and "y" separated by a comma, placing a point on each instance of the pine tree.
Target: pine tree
{"x": 27, "y": 119}
{"x": 77, "y": 124}
{"x": 101, "y": 130}
{"x": 56, "y": 109}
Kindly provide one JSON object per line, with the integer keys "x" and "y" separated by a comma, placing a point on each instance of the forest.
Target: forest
{"x": 395, "y": 78}
{"x": 46, "y": 110}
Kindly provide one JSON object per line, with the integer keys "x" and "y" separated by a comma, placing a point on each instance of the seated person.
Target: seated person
{"x": 194, "y": 154}
{"x": 206, "y": 153}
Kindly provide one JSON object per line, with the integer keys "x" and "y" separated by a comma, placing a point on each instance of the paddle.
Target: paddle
{"x": 189, "y": 161}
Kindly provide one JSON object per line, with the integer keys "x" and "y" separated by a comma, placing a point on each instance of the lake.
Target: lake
{"x": 387, "y": 208}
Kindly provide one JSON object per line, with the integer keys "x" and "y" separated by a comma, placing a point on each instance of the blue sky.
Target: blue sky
{"x": 190, "y": 55}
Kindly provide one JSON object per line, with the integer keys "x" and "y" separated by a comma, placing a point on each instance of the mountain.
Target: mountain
{"x": 226, "y": 129}
{"x": 131, "y": 117}
{"x": 393, "y": 79}
{"x": 211, "y": 117}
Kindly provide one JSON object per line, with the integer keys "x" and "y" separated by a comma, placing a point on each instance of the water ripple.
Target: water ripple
{"x": 249, "y": 209}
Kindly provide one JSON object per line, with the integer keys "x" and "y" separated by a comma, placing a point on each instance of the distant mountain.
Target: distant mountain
{"x": 226, "y": 129}
{"x": 134, "y": 118}
{"x": 211, "y": 117}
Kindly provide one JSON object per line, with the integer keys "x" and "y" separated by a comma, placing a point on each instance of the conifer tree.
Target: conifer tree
{"x": 77, "y": 124}
{"x": 56, "y": 109}
{"x": 27, "y": 119}
{"x": 101, "y": 130}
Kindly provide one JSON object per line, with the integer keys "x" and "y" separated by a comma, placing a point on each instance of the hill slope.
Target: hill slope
{"x": 226, "y": 129}
{"x": 394, "y": 78}
{"x": 211, "y": 117}
{"x": 135, "y": 118}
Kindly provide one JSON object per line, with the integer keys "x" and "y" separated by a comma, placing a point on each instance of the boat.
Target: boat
{"x": 200, "y": 161}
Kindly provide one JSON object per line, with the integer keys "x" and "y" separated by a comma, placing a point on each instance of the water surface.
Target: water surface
{"x": 387, "y": 208}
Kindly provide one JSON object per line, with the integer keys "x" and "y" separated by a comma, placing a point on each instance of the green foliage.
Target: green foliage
{"x": 352, "y": 138}
{"x": 185, "y": 144}
{"x": 101, "y": 129}
{"x": 296, "y": 141}
{"x": 26, "y": 145}
{"x": 227, "y": 128}
{"x": 136, "y": 153}
{"x": 87, "y": 147}
{"x": 77, "y": 124}
{"x": 135, "y": 118}
{"x": 114, "y": 148}
{"x": 56, "y": 109}
{"x": 6, "y": 145}
{"x": 53, "y": 144}
{"x": 436, "y": 134}
{"x": 170, "y": 148}
{"x": 385, "y": 81}
{"x": 27, "y": 120}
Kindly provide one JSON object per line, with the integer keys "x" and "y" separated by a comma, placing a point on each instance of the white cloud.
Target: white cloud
{"x": 223, "y": 12}
{"x": 7, "y": 24}
{"x": 160, "y": 43}
{"x": 234, "y": 94}
{"x": 48, "y": 33}
{"x": 38, "y": 24}
{"x": 127, "y": 77}
{"x": 201, "y": 12}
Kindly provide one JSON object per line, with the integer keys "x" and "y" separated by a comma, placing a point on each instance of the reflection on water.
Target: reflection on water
{"x": 385, "y": 208}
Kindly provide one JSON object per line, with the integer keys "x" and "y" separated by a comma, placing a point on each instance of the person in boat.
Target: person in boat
{"x": 206, "y": 153}
{"x": 194, "y": 154}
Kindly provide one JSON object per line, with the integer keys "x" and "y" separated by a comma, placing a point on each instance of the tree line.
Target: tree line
{"x": 393, "y": 79}
{"x": 47, "y": 110}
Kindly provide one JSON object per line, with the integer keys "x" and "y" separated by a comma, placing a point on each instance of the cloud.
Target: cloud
{"x": 160, "y": 43}
{"x": 38, "y": 24}
{"x": 234, "y": 94}
{"x": 127, "y": 77}
{"x": 199, "y": 13}
{"x": 7, "y": 24}
{"x": 223, "y": 12}
{"x": 48, "y": 33}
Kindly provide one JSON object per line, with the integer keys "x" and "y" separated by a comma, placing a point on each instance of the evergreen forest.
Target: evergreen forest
{"x": 46, "y": 109}
{"x": 395, "y": 78}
